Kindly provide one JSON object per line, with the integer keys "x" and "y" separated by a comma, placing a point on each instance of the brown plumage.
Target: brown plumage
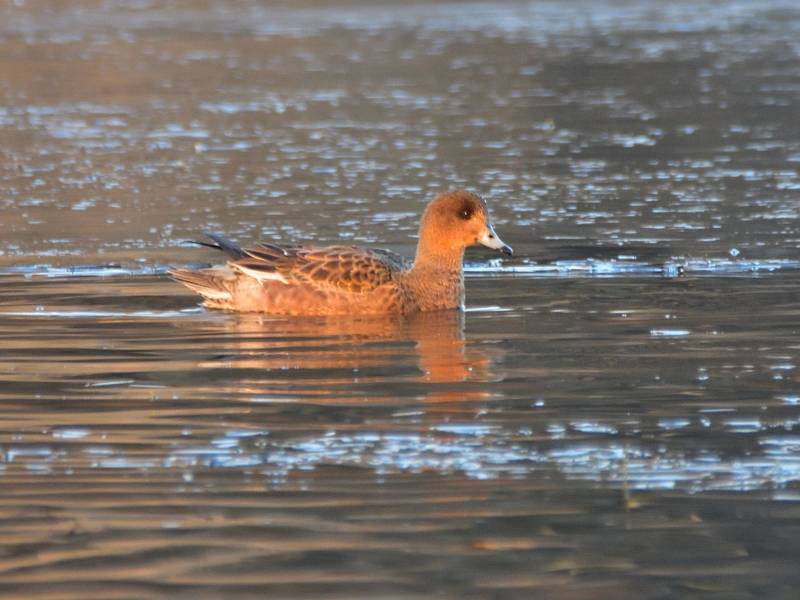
{"x": 289, "y": 279}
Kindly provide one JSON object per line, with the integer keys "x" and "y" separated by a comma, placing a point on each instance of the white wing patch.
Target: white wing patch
{"x": 259, "y": 275}
{"x": 212, "y": 294}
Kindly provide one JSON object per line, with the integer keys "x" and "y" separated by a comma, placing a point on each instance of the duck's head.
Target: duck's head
{"x": 456, "y": 219}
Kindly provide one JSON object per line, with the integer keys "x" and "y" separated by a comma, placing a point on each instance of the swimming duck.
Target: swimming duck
{"x": 294, "y": 279}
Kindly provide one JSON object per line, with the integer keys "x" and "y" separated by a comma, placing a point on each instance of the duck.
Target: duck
{"x": 308, "y": 280}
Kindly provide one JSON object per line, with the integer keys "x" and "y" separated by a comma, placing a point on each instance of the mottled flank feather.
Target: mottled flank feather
{"x": 309, "y": 280}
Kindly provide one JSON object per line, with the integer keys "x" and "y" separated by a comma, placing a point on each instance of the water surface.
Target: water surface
{"x": 616, "y": 413}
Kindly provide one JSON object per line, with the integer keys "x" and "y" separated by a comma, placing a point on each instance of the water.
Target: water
{"x": 615, "y": 415}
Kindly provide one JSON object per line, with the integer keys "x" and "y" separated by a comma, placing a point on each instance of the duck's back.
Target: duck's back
{"x": 301, "y": 280}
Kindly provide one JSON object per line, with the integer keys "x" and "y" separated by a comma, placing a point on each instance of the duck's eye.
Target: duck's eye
{"x": 465, "y": 214}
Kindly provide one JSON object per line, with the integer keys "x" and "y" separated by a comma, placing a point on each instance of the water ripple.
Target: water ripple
{"x": 521, "y": 268}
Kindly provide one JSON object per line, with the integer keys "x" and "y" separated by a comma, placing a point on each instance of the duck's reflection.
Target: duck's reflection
{"x": 298, "y": 355}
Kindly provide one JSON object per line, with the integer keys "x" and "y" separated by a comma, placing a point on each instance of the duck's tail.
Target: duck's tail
{"x": 211, "y": 284}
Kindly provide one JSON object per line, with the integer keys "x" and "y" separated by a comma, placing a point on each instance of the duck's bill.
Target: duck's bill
{"x": 490, "y": 240}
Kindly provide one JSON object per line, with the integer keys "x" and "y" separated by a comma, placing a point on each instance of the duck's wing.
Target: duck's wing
{"x": 347, "y": 268}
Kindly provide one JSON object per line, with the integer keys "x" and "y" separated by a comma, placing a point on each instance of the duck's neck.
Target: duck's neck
{"x": 437, "y": 279}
